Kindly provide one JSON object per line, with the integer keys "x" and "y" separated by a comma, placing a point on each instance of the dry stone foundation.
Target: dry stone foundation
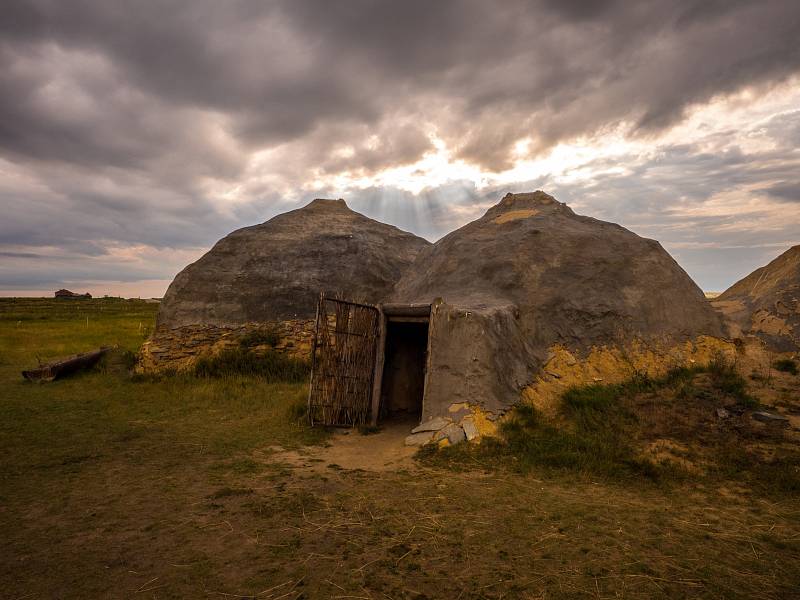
{"x": 178, "y": 349}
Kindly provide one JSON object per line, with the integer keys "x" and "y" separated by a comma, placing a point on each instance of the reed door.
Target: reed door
{"x": 343, "y": 362}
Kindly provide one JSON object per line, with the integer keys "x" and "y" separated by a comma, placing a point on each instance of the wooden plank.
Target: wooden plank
{"x": 345, "y": 339}
{"x": 377, "y": 378}
{"x": 393, "y": 319}
{"x": 313, "y": 361}
{"x": 351, "y": 303}
{"x": 406, "y": 310}
{"x": 65, "y": 366}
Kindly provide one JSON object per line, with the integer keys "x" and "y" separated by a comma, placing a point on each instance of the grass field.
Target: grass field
{"x": 118, "y": 487}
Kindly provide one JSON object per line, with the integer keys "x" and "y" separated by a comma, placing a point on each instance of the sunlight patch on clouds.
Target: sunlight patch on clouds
{"x": 735, "y": 120}
{"x": 434, "y": 169}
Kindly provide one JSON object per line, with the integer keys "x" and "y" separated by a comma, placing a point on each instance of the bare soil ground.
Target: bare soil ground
{"x": 186, "y": 488}
{"x": 347, "y": 449}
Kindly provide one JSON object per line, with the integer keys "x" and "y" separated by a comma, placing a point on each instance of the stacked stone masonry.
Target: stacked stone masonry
{"x": 178, "y": 349}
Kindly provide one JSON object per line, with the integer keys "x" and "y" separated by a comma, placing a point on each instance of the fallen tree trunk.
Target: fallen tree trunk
{"x": 65, "y": 366}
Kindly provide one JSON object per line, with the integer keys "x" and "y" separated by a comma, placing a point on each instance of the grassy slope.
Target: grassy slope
{"x": 169, "y": 489}
{"x": 665, "y": 430}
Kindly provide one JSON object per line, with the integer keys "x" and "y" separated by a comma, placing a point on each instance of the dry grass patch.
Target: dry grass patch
{"x": 175, "y": 488}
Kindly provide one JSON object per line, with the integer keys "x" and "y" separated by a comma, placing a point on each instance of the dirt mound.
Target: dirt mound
{"x": 531, "y": 275}
{"x": 276, "y": 270}
{"x": 572, "y": 279}
{"x": 766, "y": 303}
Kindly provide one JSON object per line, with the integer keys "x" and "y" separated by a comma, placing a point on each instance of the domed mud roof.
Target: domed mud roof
{"x": 766, "y": 303}
{"x": 568, "y": 278}
{"x": 276, "y": 270}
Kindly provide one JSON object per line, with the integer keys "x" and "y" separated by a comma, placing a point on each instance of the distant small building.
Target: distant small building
{"x": 67, "y": 294}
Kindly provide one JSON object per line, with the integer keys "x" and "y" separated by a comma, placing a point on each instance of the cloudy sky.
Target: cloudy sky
{"x": 133, "y": 135}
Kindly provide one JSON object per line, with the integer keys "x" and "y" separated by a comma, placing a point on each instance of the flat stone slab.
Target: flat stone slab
{"x": 470, "y": 430}
{"x": 769, "y": 417}
{"x": 459, "y": 413}
{"x": 454, "y": 434}
{"x": 434, "y": 424}
{"x": 419, "y": 439}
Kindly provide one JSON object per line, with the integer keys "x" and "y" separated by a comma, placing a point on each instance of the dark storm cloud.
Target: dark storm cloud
{"x": 280, "y": 71}
{"x": 121, "y": 123}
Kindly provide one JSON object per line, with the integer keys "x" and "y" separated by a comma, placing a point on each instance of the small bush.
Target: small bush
{"x": 725, "y": 378}
{"x": 264, "y": 336}
{"x": 785, "y": 365}
{"x": 681, "y": 375}
{"x": 271, "y": 366}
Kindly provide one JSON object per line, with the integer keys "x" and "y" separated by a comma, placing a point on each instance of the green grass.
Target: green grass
{"x": 728, "y": 381}
{"x": 595, "y": 436}
{"x": 601, "y": 430}
{"x": 263, "y": 336}
{"x": 172, "y": 487}
{"x": 269, "y": 365}
{"x": 32, "y": 328}
{"x": 227, "y": 413}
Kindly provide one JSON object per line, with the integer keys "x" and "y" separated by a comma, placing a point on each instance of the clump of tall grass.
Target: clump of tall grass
{"x": 263, "y": 336}
{"x": 725, "y": 379}
{"x": 595, "y": 434}
{"x": 271, "y": 365}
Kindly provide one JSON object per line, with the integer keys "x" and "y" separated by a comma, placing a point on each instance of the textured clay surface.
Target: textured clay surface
{"x": 276, "y": 270}
{"x": 766, "y": 303}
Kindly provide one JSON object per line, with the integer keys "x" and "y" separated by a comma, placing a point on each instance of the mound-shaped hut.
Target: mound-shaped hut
{"x": 518, "y": 305}
{"x": 766, "y": 303}
{"x": 532, "y": 298}
{"x": 273, "y": 273}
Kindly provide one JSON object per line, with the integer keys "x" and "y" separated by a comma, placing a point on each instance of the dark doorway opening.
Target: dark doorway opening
{"x": 403, "y": 382}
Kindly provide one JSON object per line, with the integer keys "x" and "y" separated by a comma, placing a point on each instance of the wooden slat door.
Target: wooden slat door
{"x": 343, "y": 362}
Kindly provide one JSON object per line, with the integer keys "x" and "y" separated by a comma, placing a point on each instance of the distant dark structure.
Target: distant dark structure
{"x": 72, "y": 295}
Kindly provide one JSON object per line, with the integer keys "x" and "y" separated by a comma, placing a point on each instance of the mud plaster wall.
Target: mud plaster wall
{"x": 481, "y": 359}
{"x": 606, "y": 364}
{"x": 478, "y": 357}
{"x": 178, "y": 349}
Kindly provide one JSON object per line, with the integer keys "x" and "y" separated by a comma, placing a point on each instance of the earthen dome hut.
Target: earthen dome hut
{"x": 515, "y": 306}
{"x": 273, "y": 273}
{"x": 531, "y": 298}
{"x": 766, "y": 303}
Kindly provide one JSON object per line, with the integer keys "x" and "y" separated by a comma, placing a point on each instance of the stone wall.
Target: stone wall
{"x": 178, "y": 349}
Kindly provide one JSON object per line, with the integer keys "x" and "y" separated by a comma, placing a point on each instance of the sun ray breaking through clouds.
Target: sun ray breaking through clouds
{"x": 130, "y": 142}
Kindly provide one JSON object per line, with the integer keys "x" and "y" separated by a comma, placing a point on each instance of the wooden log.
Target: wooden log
{"x": 65, "y": 366}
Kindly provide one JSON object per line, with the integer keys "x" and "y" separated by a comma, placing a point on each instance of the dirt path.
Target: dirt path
{"x": 351, "y": 450}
